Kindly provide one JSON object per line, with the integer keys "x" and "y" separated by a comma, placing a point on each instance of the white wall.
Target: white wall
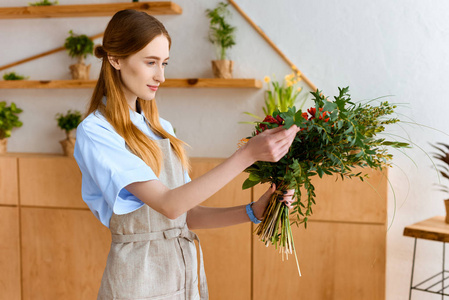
{"x": 378, "y": 48}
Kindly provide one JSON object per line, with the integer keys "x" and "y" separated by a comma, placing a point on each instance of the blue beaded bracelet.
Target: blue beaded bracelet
{"x": 250, "y": 213}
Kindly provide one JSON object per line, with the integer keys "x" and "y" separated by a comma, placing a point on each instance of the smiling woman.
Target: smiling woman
{"x": 142, "y": 73}
{"x": 135, "y": 171}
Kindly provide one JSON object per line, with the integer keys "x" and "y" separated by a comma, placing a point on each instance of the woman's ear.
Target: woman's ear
{"x": 114, "y": 61}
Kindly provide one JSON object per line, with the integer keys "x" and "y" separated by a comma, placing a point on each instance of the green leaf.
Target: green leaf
{"x": 249, "y": 183}
{"x": 254, "y": 177}
{"x": 253, "y": 115}
{"x": 329, "y": 106}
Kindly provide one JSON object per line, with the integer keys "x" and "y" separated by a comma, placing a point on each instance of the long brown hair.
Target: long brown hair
{"x": 128, "y": 32}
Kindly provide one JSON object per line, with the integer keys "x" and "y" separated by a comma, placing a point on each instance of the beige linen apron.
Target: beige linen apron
{"x": 151, "y": 256}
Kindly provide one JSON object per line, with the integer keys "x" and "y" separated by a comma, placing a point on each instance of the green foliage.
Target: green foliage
{"x": 335, "y": 137}
{"x": 8, "y": 119}
{"x": 69, "y": 121}
{"x": 43, "y": 3}
{"x": 221, "y": 33}
{"x": 443, "y": 166}
{"x": 282, "y": 96}
{"x": 13, "y": 76}
{"x": 79, "y": 45}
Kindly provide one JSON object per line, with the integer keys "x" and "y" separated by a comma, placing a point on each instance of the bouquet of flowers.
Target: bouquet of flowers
{"x": 334, "y": 138}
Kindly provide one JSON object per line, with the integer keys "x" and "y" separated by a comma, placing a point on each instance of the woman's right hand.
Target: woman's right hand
{"x": 272, "y": 144}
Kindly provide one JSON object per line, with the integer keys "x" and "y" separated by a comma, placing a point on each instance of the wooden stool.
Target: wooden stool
{"x": 434, "y": 229}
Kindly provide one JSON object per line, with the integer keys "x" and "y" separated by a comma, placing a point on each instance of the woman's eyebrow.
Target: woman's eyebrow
{"x": 156, "y": 57}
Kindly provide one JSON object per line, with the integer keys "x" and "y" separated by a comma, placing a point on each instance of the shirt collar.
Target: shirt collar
{"x": 135, "y": 116}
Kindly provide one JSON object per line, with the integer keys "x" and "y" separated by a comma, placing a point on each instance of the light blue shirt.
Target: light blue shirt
{"x": 107, "y": 166}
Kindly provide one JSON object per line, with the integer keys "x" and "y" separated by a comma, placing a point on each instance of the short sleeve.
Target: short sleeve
{"x": 107, "y": 167}
{"x": 186, "y": 177}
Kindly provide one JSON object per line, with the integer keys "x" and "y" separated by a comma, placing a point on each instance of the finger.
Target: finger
{"x": 283, "y": 150}
{"x": 281, "y": 135}
{"x": 289, "y": 192}
{"x": 273, "y": 130}
{"x": 287, "y": 203}
{"x": 287, "y": 136}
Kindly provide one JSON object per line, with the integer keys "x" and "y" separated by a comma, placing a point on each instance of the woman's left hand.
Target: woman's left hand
{"x": 261, "y": 204}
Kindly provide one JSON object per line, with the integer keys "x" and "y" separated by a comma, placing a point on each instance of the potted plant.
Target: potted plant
{"x": 68, "y": 123}
{"x": 443, "y": 169}
{"x": 221, "y": 35}
{"x": 8, "y": 120}
{"x": 13, "y": 76}
{"x": 43, "y": 3}
{"x": 79, "y": 46}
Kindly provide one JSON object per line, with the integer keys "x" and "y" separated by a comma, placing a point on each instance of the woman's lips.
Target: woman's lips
{"x": 153, "y": 87}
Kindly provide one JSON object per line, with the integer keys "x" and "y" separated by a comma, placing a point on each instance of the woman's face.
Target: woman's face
{"x": 143, "y": 72}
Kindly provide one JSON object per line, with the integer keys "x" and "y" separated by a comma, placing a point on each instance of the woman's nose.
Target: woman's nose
{"x": 159, "y": 76}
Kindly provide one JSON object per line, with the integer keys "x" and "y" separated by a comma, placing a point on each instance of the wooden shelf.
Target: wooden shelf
{"x": 88, "y": 10}
{"x": 169, "y": 83}
{"x": 213, "y": 83}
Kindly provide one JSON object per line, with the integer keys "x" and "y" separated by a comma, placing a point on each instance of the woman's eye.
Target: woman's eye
{"x": 151, "y": 63}
{"x": 165, "y": 64}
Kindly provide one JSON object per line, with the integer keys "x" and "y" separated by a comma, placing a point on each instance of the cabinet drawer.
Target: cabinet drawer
{"x": 338, "y": 261}
{"x": 64, "y": 253}
{"x": 227, "y": 251}
{"x": 349, "y": 200}
{"x": 9, "y": 254}
{"x": 8, "y": 181}
{"x": 50, "y": 182}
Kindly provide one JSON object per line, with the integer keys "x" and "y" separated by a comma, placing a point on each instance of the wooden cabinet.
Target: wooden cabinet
{"x": 227, "y": 251}
{"x": 342, "y": 253}
{"x": 64, "y": 253}
{"x": 8, "y": 181}
{"x": 52, "y": 247}
{"x": 50, "y": 181}
{"x": 9, "y": 254}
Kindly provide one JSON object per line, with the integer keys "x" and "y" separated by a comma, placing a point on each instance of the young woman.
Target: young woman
{"x": 135, "y": 171}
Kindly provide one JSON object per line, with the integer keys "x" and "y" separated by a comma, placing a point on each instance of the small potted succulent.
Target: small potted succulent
{"x": 68, "y": 123}
{"x": 79, "y": 46}
{"x": 221, "y": 35}
{"x": 8, "y": 120}
{"x": 443, "y": 169}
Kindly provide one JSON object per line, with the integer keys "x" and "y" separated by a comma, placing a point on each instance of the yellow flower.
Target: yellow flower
{"x": 289, "y": 77}
{"x": 299, "y": 89}
{"x": 289, "y": 83}
{"x": 266, "y": 79}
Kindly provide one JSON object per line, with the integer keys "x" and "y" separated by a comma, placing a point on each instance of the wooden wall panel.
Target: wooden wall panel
{"x": 50, "y": 181}
{"x": 338, "y": 261}
{"x": 227, "y": 251}
{"x": 350, "y": 200}
{"x": 64, "y": 253}
{"x": 9, "y": 254}
{"x": 9, "y": 193}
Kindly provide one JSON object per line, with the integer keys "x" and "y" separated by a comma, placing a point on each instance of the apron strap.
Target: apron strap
{"x": 204, "y": 292}
{"x": 184, "y": 233}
